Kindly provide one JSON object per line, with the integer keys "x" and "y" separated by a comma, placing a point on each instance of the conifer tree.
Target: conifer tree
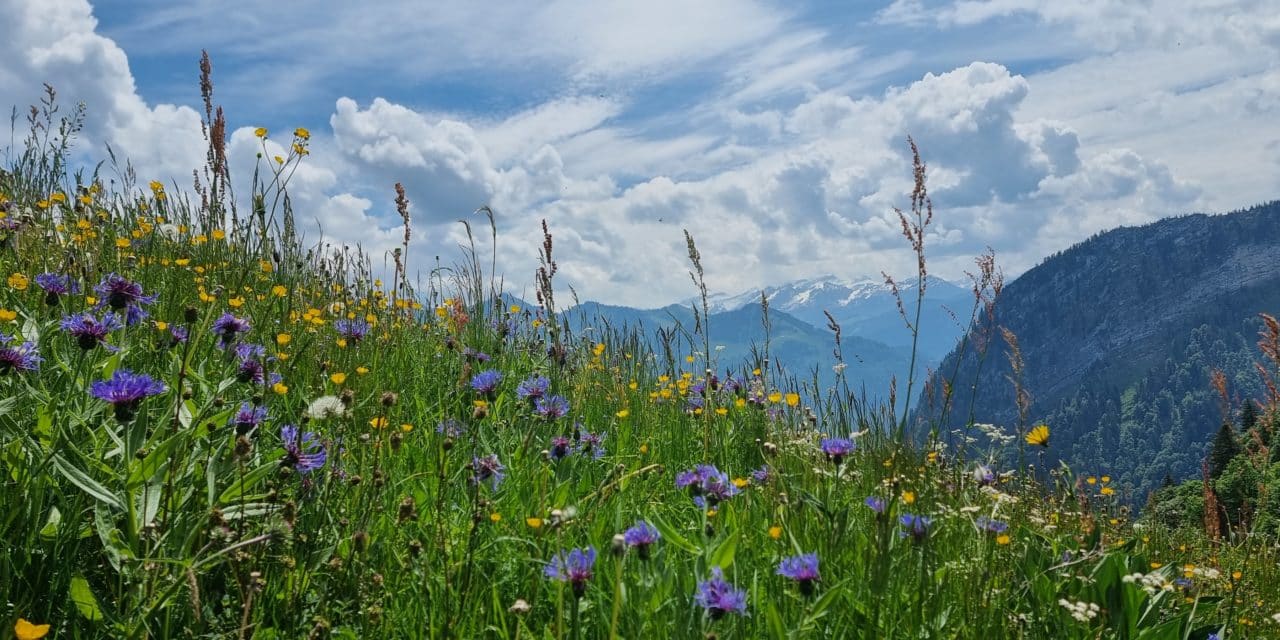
{"x": 1224, "y": 448}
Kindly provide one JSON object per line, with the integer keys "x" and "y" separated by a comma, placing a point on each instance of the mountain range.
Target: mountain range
{"x": 1119, "y": 337}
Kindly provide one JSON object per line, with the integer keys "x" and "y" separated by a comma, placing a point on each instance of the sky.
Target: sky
{"x": 774, "y": 132}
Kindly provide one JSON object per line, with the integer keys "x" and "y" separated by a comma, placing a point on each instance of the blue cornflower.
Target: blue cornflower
{"x": 762, "y": 475}
{"x": 641, "y": 537}
{"x": 551, "y": 407}
{"x": 573, "y": 566}
{"x": 248, "y": 418}
{"x": 122, "y": 295}
{"x": 875, "y": 504}
{"x": 89, "y": 331}
{"x": 251, "y": 368}
{"x": 561, "y": 447}
{"x": 837, "y": 449}
{"x": 694, "y": 404}
{"x": 983, "y": 475}
{"x": 487, "y": 469}
{"x": 591, "y": 444}
{"x": 21, "y": 358}
{"x": 486, "y": 382}
{"x": 449, "y": 428}
{"x": 533, "y": 388}
{"x": 709, "y": 485}
{"x": 304, "y": 453}
{"x": 352, "y": 330}
{"x": 178, "y": 334}
{"x": 228, "y": 327}
{"x": 915, "y": 526}
{"x": 989, "y": 525}
{"x": 803, "y": 569}
{"x": 719, "y": 597}
{"x": 54, "y": 285}
{"x": 125, "y": 391}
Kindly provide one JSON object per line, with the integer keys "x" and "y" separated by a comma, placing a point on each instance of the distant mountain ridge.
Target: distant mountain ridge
{"x": 1119, "y": 335}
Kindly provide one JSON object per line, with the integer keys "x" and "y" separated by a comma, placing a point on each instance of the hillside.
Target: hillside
{"x": 1119, "y": 336}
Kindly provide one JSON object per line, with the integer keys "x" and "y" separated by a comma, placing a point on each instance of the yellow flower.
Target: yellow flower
{"x": 283, "y": 339}
{"x": 775, "y": 397}
{"x": 908, "y": 497}
{"x": 515, "y": 308}
{"x": 740, "y": 482}
{"x": 122, "y": 243}
{"x": 534, "y": 523}
{"x": 8, "y": 315}
{"x": 1107, "y": 491}
{"x": 301, "y": 132}
{"x": 280, "y": 388}
{"x": 280, "y": 291}
{"x": 793, "y": 399}
{"x": 338, "y": 378}
{"x": 623, "y": 413}
{"x": 24, "y": 630}
{"x": 721, "y": 411}
{"x": 236, "y": 302}
{"x": 57, "y": 196}
{"x": 18, "y": 281}
{"x": 406, "y": 427}
{"x": 1039, "y": 437}
{"x": 182, "y": 262}
{"x": 362, "y": 370}
{"x": 1106, "y": 479}
{"x": 1003, "y": 539}
{"x": 378, "y": 422}
{"x": 1091, "y": 480}
{"x": 261, "y": 132}
{"x": 90, "y": 300}
{"x": 218, "y": 234}
{"x": 775, "y": 532}
{"x": 161, "y": 326}
{"x": 341, "y": 342}
{"x": 495, "y": 517}
{"x": 644, "y": 448}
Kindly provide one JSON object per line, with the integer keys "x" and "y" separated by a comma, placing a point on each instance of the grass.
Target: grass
{"x": 168, "y": 519}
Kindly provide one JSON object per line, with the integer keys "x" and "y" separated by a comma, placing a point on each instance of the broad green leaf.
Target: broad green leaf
{"x": 673, "y": 537}
{"x": 241, "y": 486}
{"x": 82, "y": 597}
{"x": 723, "y": 555}
{"x": 89, "y": 485}
{"x": 50, "y": 529}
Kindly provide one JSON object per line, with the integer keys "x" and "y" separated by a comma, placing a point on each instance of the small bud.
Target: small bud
{"x": 190, "y": 314}
{"x": 360, "y": 541}
{"x": 389, "y": 399}
{"x": 618, "y": 545}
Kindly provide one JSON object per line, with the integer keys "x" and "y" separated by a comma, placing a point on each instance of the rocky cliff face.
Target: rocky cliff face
{"x": 1099, "y": 323}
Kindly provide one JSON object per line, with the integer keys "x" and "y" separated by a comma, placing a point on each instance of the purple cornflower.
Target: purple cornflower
{"x": 694, "y": 404}
{"x": 89, "y": 331}
{"x": 551, "y": 407}
{"x": 352, "y": 330}
{"x": 989, "y": 525}
{"x": 21, "y": 358}
{"x": 561, "y": 447}
{"x": 54, "y": 285}
{"x": 719, "y": 597}
{"x": 915, "y": 526}
{"x": 875, "y": 504}
{"x": 641, "y": 537}
{"x": 762, "y": 475}
{"x": 248, "y": 418}
{"x": 533, "y": 388}
{"x": 487, "y": 469}
{"x": 486, "y": 382}
{"x": 125, "y": 391}
{"x": 574, "y": 567}
{"x": 123, "y": 295}
{"x": 475, "y": 356}
{"x": 449, "y": 428}
{"x": 303, "y": 453}
{"x": 837, "y": 448}
{"x": 983, "y": 475}
{"x": 591, "y": 444}
{"x": 177, "y": 334}
{"x": 227, "y": 327}
{"x": 251, "y": 368}
{"x": 803, "y": 569}
{"x": 709, "y": 485}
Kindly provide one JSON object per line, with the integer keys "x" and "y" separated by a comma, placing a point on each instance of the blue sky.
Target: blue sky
{"x": 774, "y": 132}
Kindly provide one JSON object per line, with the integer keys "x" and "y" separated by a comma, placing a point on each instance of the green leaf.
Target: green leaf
{"x": 240, "y": 486}
{"x": 89, "y": 485}
{"x": 673, "y": 537}
{"x": 151, "y": 467}
{"x": 82, "y": 597}
{"x": 723, "y": 555}
{"x": 50, "y": 529}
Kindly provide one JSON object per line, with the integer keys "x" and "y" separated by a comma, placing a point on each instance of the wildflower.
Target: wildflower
{"x": 177, "y": 335}
{"x": 551, "y": 407}
{"x": 487, "y": 469}
{"x": 123, "y": 295}
{"x": 572, "y": 566}
{"x": 486, "y": 382}
{"x": 352, "y": 330}
{"x": 475, "y": 356}
{"x": 719, "y": 597}
{"x": 303, "y": 451}
{"x": 89, "y": 331}
{"x": 55, "y": 285}
{"x": 984, "y": 476}
{"x": 247, "y": 418}
{"x": 775, "y": 532}
{"x": 708, "y": 485}
{"x": 227, "y": 327}
{"x": 762, "y": 475}
{"x": 915, "y": 526}
{"x": 875, "y": 504}
{"x": 449, "y": 428}
{"x": 561, "y": 447}
{"x": 125, "y": 392}
{"x": 338, "y": 378}
{"x": 988, "y": 525}
{"x": 836, "y": 449}
{"x": 533, "y": 389}
{"x": 803, "y": 569}
{"x": 590, "y": 444}
{"x": 251, "y": 368}
{"x": 18, "y": 281}
{"x": 24, "y": 630}
{"x": 640, "y": 537}
{"x": 1081, "y": 611}
{"x": 1039, "y": 436}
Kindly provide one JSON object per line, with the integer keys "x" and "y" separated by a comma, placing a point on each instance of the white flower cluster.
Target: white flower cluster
{"x": 996, "y": 434}
{"x": 1081, "y": 611}
{"x": 1208, "y": 573}
{"x": 326, "y": 407}
{"x": 1276, "y": 618}
{"x": 1150, "y": 582}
